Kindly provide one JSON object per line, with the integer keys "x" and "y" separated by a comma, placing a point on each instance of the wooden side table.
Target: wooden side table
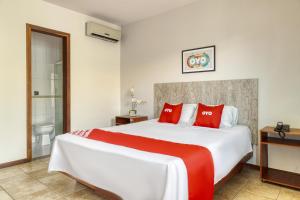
{"x": 126, "y": 119}
{"x": 276, "y": 176}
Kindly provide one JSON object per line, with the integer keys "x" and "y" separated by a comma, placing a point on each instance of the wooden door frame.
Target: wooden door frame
{"x": 66, "y": 79}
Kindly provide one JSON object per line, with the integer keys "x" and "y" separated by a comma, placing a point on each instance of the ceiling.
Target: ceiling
{"x": 121, "y": 12}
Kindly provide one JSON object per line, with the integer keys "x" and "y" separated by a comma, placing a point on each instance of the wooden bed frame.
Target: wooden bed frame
{"x": 112, "y": 196}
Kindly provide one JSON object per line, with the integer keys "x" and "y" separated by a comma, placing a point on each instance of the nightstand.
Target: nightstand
{"x": 126, "y": 119}
{"x": 276, "y": 176}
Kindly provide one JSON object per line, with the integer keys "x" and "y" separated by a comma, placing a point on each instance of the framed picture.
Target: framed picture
{"x": 199, "y": 60}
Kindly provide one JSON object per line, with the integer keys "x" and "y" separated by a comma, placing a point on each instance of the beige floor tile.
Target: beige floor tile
{"x": 289, "y": 194}
{"x": 85, "y": 194}
{"x": 20, "y": 187}
{"x": 43, "y": 195}
{"x": 255, "y": 186}
{"x": 249, "y": 196}
{"x": 41, "y": 173}
{"x": 231, "y": 189}
{"x": 220, "y": 197}
{"x": 15, "y": 180}
{"x": 4, "y": 196}
{"x": 10, "y": 172}
{"x": 62, "y": 184}
{"x": 33, "y": 166}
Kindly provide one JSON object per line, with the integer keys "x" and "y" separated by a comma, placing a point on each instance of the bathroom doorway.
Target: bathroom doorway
{"x": 48, "y": 88}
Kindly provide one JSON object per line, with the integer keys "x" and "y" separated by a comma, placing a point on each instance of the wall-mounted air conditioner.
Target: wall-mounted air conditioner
{"x": 102, "y": 32}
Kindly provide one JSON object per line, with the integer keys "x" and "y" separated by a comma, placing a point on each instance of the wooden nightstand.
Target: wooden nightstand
{"x": 126, "y": 119}
{"x": 276, "y": 176}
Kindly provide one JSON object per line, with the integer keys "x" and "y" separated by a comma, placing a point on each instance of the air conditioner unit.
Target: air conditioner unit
{"x": 102, "y": 32}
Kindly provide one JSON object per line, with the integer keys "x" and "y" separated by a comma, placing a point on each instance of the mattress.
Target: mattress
{"x": 139, "y": 175}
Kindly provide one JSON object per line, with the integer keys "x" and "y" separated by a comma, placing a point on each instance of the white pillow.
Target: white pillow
{"x": 187, "y": 114}
{"x": 229, "y": 117}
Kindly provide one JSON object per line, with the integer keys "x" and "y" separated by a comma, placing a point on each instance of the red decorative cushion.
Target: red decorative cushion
{"x": 170, "y": 113}
{"x": 209, "y": 116}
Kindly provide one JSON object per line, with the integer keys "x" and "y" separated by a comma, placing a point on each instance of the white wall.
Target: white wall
{"x": 95, "y": 71}
{"x": 253, "y": 38}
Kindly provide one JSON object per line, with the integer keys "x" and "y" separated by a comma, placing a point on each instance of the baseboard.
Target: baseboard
{"x": 12, "y": 163}
{"x": 252, "y": 166}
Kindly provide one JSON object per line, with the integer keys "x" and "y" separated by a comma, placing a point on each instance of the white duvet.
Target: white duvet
{"x": 139, "y": 175}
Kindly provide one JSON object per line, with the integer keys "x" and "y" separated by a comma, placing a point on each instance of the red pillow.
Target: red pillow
{"x": 209, "y": 116}
{"x": 170, "y": 113}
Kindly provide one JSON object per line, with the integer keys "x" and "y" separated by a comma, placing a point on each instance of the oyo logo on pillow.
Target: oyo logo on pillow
{"x": 207, "y": 113}
{"x": 169, "y": 110}
{"x": 198, "y": 60}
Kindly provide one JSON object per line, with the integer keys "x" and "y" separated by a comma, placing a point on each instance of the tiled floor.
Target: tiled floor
{"x": 31, "y": 181}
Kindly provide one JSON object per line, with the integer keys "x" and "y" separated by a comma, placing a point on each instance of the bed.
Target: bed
{"x": 138, "y": 175}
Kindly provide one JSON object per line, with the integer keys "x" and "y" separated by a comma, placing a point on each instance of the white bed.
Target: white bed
{"x": 138, "y": 175}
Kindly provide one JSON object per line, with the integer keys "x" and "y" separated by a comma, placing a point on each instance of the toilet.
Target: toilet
{"x": 43, "y": 129}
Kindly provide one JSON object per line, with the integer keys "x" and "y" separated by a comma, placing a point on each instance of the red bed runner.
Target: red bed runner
{"x": 197, "y": 159}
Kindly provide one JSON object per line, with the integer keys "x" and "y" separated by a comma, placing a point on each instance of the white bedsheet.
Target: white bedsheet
{"x": 139, "y": 175}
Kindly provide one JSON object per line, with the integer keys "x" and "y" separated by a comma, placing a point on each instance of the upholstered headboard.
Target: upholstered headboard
{"x": 242, "y": 94}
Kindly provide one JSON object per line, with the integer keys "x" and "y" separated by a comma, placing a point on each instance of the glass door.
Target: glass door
{"x": 47, "y": 91}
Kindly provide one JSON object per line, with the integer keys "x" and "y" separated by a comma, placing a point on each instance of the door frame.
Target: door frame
{"x": 66, "y": 79}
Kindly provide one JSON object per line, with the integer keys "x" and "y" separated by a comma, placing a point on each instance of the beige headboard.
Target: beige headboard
{"x": 242, "y": 94}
